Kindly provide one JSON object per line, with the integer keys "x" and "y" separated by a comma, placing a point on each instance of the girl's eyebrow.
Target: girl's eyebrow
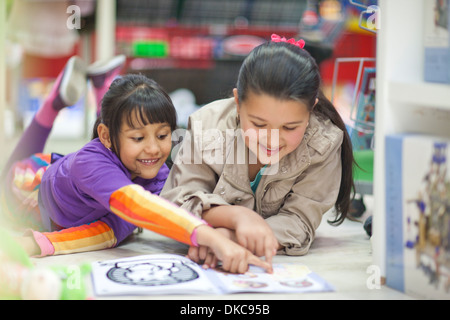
{"x": 131, "y": 129}
{"x": 165, "y": 124}
{"x": 162, "y": 125}
{"x": 263, "y": 120}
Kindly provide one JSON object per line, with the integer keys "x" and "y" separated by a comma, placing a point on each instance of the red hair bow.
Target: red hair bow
{"x": 300, "y": 43}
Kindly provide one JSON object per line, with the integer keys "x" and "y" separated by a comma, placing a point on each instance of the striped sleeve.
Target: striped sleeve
{"x": 89, "y": 237}
{"x": 140, "y": 207}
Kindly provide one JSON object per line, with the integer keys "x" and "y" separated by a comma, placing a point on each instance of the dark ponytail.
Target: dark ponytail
{"x": 287, "y": 72}
{"x": 324, "y": 109}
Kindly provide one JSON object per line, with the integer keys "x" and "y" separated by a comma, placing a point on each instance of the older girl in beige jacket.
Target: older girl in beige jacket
{"x": 265, "y": 165}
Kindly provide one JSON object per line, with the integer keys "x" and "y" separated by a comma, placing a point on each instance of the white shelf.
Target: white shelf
{"x": 424, "y": 94}
{"x": 405, "y": 102}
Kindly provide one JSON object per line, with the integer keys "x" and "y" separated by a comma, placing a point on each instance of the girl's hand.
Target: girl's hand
{"x": 247, "y": 227}
{"x": 234, "y": 257}
{"x": 204, "y": 255}
{"x": 253, "y": 233}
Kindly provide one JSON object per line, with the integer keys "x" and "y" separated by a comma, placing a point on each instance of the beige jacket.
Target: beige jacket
{"x": 292, "y": 196}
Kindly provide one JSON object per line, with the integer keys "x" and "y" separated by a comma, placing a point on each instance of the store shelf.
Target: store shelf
{"x": 406, "y": 103}
{"x": 424, "y": 94}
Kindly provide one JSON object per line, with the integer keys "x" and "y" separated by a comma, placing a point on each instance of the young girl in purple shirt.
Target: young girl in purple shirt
{"x": 95, "y": 197}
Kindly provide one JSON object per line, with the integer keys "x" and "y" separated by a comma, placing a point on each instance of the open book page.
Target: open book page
{"x": 174, "y": 274}
{"x": 150, "y": 274}
{"x": 286, "y": 278}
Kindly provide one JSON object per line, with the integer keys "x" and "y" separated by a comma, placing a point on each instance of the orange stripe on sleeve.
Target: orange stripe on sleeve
{"x": 94, "y": 236}
{"x": 141, "y": 208}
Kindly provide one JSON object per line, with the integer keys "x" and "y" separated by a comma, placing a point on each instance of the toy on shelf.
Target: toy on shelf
{"x": 418, "y": 215}
{"x": 432, "y": 241}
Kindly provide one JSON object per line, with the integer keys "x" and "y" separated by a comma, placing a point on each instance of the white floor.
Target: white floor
{"x": 341, "y": 255}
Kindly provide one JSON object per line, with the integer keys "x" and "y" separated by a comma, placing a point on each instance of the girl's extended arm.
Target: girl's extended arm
{"x": 141, "y": 208}
{"x": 133, "y": 204}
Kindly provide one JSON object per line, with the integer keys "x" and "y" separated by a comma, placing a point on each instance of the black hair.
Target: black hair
{"x": 287, "y": 72}
{"x": 131, "y": 95}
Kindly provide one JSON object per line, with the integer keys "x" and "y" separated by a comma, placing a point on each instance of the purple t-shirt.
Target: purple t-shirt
{"x": 76, "y": 189}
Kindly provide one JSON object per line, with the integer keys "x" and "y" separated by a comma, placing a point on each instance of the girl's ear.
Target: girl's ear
{"x": 103, "y": 135}
{"x": 236, "y": 99}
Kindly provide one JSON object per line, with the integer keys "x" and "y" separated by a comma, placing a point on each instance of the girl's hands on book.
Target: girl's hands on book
{"x": 215, "y": 246}
{"x": 246, "y": 227}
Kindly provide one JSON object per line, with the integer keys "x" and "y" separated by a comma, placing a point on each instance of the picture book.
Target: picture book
{"x": 437, "y": 41}
{"x": 163, "y": 274}
{"x": 418, "y": 215}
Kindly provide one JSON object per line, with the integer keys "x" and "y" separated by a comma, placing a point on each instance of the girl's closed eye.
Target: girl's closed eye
{"x": 162, "y": 136}
{"x": 137, "y": 139}
{"x": 259, "y": 125}
{"x": 164, "y": 133}
{"x": 284, "y": 127}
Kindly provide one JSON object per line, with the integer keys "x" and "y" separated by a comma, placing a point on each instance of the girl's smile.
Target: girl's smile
{"x": 270, "y": 152}
{"x": 148, "y": 162}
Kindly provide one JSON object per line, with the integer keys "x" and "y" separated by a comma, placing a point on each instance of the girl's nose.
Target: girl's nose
{"x": 152, "y": 147}
{"x": 271, "y": 138}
